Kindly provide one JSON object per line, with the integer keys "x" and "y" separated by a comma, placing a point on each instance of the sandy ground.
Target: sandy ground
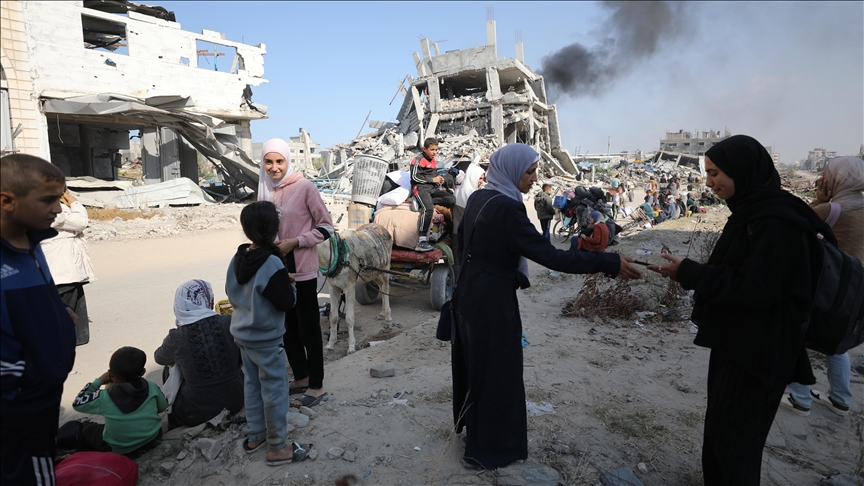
{"x": 624, "y": 392}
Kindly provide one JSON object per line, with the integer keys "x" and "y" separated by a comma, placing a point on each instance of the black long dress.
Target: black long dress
{"x": 488, "y": 392}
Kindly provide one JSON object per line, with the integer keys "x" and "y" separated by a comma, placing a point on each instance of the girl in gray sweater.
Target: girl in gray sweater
{"x": 260, "y": 290}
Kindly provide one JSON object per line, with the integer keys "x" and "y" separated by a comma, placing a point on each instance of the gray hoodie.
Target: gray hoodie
{"x": 260, "y": 291}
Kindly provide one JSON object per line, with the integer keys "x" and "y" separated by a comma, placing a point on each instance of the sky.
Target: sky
{"x": 790, "y": 74}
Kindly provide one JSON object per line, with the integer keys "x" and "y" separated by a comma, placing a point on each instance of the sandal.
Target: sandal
{"x": 309, "y": 401}
{"x": 250, "y": 450}
{"x": 301, "y": 452}
{"x": 299, "y": 389}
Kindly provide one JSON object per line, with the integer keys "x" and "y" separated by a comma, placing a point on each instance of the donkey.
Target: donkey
{"x": 367, "y": 246}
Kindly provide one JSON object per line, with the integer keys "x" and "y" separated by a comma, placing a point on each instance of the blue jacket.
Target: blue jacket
{"x": 37, "y": 349}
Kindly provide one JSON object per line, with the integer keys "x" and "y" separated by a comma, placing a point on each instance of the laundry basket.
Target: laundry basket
{"x": 369, "y": 173}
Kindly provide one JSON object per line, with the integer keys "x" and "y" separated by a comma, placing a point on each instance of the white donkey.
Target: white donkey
{"x": 344, "y": 259}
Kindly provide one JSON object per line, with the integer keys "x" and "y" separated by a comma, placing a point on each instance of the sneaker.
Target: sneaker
{"x": 424, "y": 246}
{"x": 796, "y": 407}
{"x": 833, "y": 405}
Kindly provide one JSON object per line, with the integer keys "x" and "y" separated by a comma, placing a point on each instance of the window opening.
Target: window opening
{"x": 104, "y": 35}
{"x": 218, "y": 57}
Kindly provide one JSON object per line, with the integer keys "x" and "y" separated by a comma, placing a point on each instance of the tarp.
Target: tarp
{"x": 177, "y": 192}
{"x": 209, "y": 135}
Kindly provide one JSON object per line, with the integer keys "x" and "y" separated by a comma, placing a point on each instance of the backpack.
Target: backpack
{"x": 837, "y": 317}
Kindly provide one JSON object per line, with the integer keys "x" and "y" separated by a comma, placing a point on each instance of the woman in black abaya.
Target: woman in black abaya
{"x": 753, "y": 299}
{"x": 496, "y": 238}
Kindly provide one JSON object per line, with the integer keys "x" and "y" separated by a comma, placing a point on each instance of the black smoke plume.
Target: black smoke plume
{"x": 636, "y": 31}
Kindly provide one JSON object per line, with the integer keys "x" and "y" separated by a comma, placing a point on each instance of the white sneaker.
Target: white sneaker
{"x": 796, "y": 407}
{"x": 825, "y": 399}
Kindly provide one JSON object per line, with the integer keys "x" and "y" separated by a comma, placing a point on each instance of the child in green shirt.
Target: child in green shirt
{"x": 130, "y": 404}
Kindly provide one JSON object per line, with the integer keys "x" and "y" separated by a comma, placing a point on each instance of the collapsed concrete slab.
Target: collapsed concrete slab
{"x": 473, "y": 102}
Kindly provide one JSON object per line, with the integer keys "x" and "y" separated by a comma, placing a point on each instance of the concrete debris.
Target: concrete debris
{"x": 348, "y": 456}
{"x": 217, "y": 420}
{"x": 313, "y": 454}
{"x": 166, "y": 468}
{"x": 297, "y": 420}
{"x": 473, "y": 102}
{"x": 308, "y": 412}
{"x": 194, "y": 431}
{"x": 383, "y": 370}
{"x": 335, "y": 453}
{"x": 210, "y": 448}
{"x": 620, "y": 477}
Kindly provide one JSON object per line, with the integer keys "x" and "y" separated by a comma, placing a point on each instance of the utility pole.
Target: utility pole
{"x": 608, "y": 146}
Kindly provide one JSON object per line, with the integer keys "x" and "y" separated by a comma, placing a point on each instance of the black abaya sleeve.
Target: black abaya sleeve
{"x": 524, "y": 239}
{"x": 778, "y": 265}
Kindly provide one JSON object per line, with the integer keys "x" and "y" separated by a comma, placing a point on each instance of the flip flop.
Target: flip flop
{"x": 250, "y": 450}
{"x": 301, "y": 452}
{"x": 299, "y": 389}
{"x": 310, "y": 401}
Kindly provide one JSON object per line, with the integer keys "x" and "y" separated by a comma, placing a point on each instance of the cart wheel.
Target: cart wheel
{"x": 561, "y": 233}
{"x": 441, "y": 285}
{"x": 365, "y": 293}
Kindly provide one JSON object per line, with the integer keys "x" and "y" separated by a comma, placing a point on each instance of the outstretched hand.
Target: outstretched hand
{"x": 668, "y": 269}
{"x": 627, "y": 270}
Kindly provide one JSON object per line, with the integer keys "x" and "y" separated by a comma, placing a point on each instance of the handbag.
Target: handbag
{"x": 447, "y": 320}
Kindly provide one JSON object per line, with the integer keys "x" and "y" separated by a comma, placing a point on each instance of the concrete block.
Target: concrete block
{"x": 383, "y": 370}
{"x": 210, "y": 448}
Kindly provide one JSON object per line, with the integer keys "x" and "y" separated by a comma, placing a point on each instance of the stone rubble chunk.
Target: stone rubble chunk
{"x": 348, "y": 456}
{"x": 166, "y": 467}
{"x": 194, "y": 431}
{"x": 308, "y": 412}
{"x": 313, "y": 454}
{"x": 383, "y": 370}
{"x": 335, "y": 453}
{"x": 182, "y": 455}
{"x": 210, "y": 448}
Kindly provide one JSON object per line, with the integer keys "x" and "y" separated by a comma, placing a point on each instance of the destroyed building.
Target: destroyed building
{"x": 78, "y": 76}
{"x": 688, "y": 143}
{"x": 817, "y": 158}
{"x": 471, "y": 100}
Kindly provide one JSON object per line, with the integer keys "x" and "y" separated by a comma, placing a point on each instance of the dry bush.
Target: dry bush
{"x": 603, "y": 297}
{"x": 674, "y": 290}
{"x": 100, "y": 214}
{"x": 704, "y": 244}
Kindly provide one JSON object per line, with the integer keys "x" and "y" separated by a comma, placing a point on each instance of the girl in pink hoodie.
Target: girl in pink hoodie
{"x": 303, "y": 223}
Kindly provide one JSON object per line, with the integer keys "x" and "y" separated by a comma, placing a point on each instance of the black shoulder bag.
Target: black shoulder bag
{"x": 447, "y": 321}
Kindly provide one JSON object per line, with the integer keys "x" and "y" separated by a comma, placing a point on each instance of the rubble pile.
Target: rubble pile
{"x": 473, "y": 102}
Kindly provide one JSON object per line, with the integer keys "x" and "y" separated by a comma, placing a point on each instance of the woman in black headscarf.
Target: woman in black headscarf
{"x": 753, "y": 299}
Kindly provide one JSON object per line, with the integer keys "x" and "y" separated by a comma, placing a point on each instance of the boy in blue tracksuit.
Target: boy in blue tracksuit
{"x": 37, "y": 349}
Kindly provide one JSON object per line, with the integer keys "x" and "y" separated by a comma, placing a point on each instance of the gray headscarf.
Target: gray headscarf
{"x": 507, "y": 166}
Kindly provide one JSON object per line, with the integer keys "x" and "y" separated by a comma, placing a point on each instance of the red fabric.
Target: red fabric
{"x": 598, "y": 241}
{"x": 425, "y": 163}
{"x": 409, "y": 256}
{"x": 102, "y": 468}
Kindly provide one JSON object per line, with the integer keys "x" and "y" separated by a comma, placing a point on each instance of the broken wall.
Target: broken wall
{"x": 16, "y": 80}
{"x": 162, "y": 60}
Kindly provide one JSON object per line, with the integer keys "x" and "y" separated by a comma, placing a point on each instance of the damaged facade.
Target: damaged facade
{"x": 80, "y": 75}
{"x": 473, "y": 102}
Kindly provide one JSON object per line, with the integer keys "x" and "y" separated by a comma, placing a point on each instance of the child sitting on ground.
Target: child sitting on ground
{"x": 130, "y": 404}
{"x": 260, "y": 290}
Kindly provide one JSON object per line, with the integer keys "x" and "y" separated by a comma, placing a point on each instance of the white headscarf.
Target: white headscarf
{"x": 266, "y": 184}
{"x": 506, "y": 168}
{"x": 193, "y": 301}
{"x": 469, "y": 184}
{"x": 844, "y": 177}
